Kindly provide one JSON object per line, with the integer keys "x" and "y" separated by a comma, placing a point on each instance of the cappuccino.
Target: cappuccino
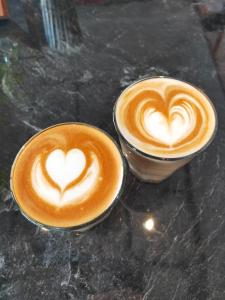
{"x": 166, "y": 121}
{"x": 67, "y": 175}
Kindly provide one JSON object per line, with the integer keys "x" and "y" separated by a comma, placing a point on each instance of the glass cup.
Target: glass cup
{"x": 150, "y": 168}
{"x": 85, "y": 226}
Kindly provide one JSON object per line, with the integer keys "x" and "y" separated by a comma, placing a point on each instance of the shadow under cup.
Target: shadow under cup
{"x": 89, "y": 224}
{"x": 150, "y": 168}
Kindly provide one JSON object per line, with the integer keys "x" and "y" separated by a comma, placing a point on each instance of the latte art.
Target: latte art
{"x": 171, "y": 129}
{"x": 67, "y": 175}
{"x": 165, "y": 117}
{"x": 64, "y": 169}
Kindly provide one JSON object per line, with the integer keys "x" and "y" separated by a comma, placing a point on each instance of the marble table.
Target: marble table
{"x": 68, "y": 61}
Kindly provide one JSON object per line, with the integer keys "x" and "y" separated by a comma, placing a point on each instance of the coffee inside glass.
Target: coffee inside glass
{"x": 68, "y": 176}
{"x": 162, "y": 124}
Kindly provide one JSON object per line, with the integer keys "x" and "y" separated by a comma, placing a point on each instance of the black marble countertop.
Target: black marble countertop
{"x": 68, "y": 61}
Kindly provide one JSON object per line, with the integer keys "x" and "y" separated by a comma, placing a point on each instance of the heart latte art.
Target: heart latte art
{"x": 63, "y": 169}
{"x": 67, "y": 175}
{"x": 165, "y": 117}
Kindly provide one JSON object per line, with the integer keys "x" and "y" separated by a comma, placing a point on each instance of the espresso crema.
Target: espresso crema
{"x": 165, "y": 117}
{"x": 67, "y": 175}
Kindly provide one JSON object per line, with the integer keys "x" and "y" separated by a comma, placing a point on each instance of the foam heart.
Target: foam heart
{"x": 63, "y": 168}
{"x": 77, "y": 192}
{"x": 169, "y": 133}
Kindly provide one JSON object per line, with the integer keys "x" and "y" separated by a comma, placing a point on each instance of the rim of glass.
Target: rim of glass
{"x": 82, "y": 226}
{"x": 147, "y": 155}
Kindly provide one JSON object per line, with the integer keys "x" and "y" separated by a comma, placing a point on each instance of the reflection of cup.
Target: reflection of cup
{"x": 162, "y": 124}
{"x": 68, "y": 176}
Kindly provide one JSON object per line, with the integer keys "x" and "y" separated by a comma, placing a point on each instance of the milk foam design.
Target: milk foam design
{"x": 175, "y": 127}
{"x": 165, "y": 117}
{"x": 67, "y": 175}
{"x": 64, "y": 169}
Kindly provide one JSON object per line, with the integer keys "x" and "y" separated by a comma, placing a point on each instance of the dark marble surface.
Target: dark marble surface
{"x": 69, "y": 60}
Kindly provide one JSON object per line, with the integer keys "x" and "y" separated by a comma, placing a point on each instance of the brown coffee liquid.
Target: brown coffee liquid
{"x": 67, "y": 175}
{"x": 165, "y": 117}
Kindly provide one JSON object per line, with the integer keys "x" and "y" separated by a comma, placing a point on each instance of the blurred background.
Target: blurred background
{"x": 61, "y": 31}
{"x": 212, "y": 16}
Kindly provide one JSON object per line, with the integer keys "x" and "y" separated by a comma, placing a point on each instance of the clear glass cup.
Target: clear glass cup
{"x": 85, "y": 226}
{"x": 150, "y": 168}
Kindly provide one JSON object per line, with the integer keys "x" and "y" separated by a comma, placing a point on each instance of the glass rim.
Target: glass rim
{"x": 160, "y": 158}
{"x": 96, "y": 220}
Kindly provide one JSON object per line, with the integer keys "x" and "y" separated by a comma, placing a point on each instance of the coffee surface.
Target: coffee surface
{"x": 165, "y": 117}
{"x": 67, "y": 175}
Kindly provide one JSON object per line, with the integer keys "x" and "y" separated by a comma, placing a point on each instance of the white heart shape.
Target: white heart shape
{"x": 77, "y": 193}
{"x": 63, "y": 168}
{"x": 158, "y": 126}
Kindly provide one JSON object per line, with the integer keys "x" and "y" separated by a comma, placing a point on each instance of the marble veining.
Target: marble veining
{"x": 68, "y": 61}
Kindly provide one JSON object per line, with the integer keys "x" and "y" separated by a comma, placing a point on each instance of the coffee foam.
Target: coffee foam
{"x": 165, "y": 117}
{"x": 63, "y": 167}
{"x": 62, "y": 170}
{"x": 67, "y": 175}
